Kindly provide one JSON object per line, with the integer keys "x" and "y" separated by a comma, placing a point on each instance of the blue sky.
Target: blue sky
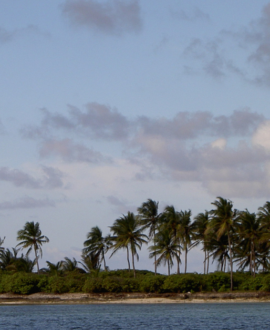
{"x": 104, "y": 104}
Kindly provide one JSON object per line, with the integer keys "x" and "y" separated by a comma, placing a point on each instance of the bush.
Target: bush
{"x": 183, "y": 283}
{"x": 152, "y": 283}
{"x": 217, "y": 281}
{"x": 57, "y": 284}
{"x": 265, "y": 283}
{"x": 93, "y": 285}
{"x": 20, "y": 283}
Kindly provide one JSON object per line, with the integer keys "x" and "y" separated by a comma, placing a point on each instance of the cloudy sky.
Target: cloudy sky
{"x": 106, "y": 103}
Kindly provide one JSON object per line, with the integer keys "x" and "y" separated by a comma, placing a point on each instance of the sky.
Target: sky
{"x": 106, "y": 103}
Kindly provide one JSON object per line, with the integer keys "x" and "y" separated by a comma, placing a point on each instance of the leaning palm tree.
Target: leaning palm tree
{"x": 32, "y": 238}
{"x": 223, "y": 223}
{"x": 97, "y": 245}
{"x": 165, "y": 248}
{"x": 149, "y": 218}
{"x": 128, "y": 234}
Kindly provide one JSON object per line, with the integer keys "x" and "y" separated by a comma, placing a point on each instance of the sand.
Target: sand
{"x": 134, "y": 298}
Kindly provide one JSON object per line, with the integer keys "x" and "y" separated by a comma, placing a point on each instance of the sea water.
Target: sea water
{"x": 137, "y": 316}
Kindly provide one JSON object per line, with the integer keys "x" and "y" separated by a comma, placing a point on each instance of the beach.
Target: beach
{"x": 133, "y": 298}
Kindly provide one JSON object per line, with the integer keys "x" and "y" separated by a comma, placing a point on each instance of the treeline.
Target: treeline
{"x": 228, "y": 236}
{"x": 124, "y": 281}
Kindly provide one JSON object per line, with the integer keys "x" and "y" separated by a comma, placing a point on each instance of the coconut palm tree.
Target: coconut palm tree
{"x": 97, "y": 245}
{"x": 149, "y": 218}
{"x": 186, "y": 233}
{"x": 32, "y": 238}
{"x": 223, "y": 223}
{"x": 54, "y": 269}
{"x": 128, "y": 234}
{"x": 90, "y": 262}
{"x": 7, "y": 257}
{"x": 170, "y": 219}
{"x": 1, "y": 243}
{"x": 165, "y": 248}
{"x": 200, "y": 226}
{"x": 69, "y": 265}
{"x": 250, "y": 233}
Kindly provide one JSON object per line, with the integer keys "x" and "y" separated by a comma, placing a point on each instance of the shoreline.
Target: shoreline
{"x": 133, "y": 298}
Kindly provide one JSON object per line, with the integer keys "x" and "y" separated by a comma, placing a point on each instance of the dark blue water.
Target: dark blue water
{"x": 139, "y": 316}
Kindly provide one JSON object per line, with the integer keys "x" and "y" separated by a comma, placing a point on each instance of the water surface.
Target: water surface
{"x": 138, "y": 316}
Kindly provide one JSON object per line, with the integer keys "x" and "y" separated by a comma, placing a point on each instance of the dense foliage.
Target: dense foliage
{"x": 124, "y": 282}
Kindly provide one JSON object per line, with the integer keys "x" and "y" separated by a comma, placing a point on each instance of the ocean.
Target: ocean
{"x": 137, "y": 316}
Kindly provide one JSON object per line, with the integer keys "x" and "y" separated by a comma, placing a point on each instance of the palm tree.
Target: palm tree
{"x": 250, "y": 233}
{"x": 90, "y": 262}
{"x": 69, "y": 265}
{"x": 54, "y": 269}
{"x": 32, "y": 238}
{"x": 219, "y": 250}
{"x": 149, "y": 218}
{"x": 223, "y": 223}
{"x": 170, "y": 219}
{"x": 7, "y": 257}
{"x": 97, "y": 245}
{"x": 186, "y": 233}
{"x": 128, "y": 234}
{"x": 200, "y": 224}
{"x": 165, "y": 248}
{"x": 1, "y": 243}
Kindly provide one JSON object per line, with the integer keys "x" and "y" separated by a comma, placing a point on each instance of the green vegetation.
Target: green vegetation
{"x": 124, "y": 282}
{"x": 231, "y": 238}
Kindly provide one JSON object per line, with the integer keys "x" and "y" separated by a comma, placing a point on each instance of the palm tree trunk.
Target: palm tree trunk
{"x": 254, "y": 265}
{"x": 186, "y": 251}
{"x": 133, "y": 264}
{"x": 231, "y": 263}
{"x": 168, "y": 268}
{"x": 204, "y": 263}
{"x": 178, "y": 262}
{"x": 36, "y": 259}
{"x": 105, "y": 267}
{"x": 128, "y": 259}
{"x": 155, "y": 254}
{"x": 208, "y": 257}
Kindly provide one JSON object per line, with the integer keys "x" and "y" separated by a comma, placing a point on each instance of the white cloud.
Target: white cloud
{"x": 219, "y": 143}
{"x": 261, "y": 136}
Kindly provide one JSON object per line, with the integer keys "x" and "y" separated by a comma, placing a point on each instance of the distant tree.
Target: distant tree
{"x": 170, "y": 220}
{"x": 69, "y": 265}
{"x": 249, "y": 233}
{"x": 223, "y": 223}
{"x": 165, "y": 248}
{"x": 149, "y": 218}
{"x": 97, "y": 245}
{"x": 128, "y": 234}
{"x": 186, "y": 233}
{"x": 31, "y": 237}
{"x": 54, "y": 269}
{"x": 200, "y": 226}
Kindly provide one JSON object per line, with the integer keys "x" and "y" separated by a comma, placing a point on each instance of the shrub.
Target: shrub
{"x": 265, "y": 283}
{"x": 217, "y": 281}
{"x": 93, "y": 285}
{"x": 152, "y": 283}
{"x": 57, "y": 284}
{"x": 20, "y": 283}
{"x": 182, "y": 283}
